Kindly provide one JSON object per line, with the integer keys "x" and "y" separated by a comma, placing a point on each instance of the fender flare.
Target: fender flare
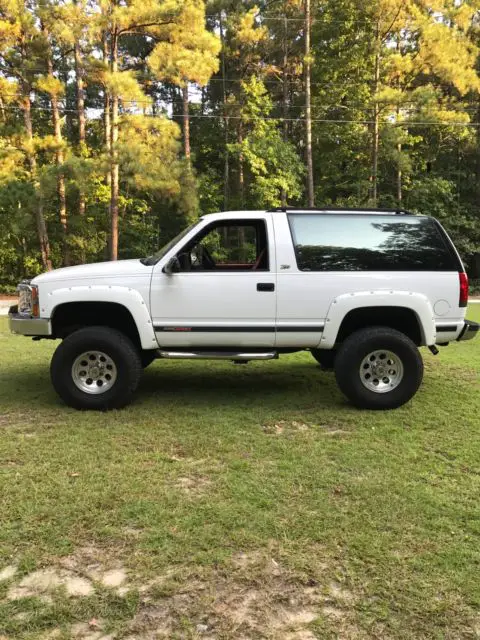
{"x": 343, "y": 304}
{"x": 129, "y": 298}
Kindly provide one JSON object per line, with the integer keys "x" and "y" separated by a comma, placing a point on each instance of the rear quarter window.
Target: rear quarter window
{"x": 360, "y": 242}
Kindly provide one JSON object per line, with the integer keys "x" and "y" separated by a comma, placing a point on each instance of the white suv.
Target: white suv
{"x": 360, "y": 289}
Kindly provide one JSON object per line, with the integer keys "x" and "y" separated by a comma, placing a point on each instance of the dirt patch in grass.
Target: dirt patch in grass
{"x": 291, "y": 428}
{"x": 7, "y": 572}
{"x": 255, "y": 598}
{"x": 97, "y": 565}
{"x": 284, "y": 427}
{"x": 18, "y": 417}
{"x": 28, "y": 421}
{"x": 193, "y": 485}
{"x": 89, "y": 631}
{"x": 45, "y": 581}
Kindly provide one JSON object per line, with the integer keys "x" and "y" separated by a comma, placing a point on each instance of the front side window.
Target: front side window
{"x": 156, "y": 257}
{"x": 340, "y": 242}
{"x": 227, "y": 246}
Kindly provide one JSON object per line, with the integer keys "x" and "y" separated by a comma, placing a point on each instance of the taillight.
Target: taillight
{"x": 463, "y": 289}
{"x": 35, "y": 303}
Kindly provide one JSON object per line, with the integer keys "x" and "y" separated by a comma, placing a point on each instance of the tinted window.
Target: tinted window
{"x": 369, "y": 243}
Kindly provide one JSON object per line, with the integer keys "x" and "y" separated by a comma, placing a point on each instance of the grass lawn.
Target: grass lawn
{"x": 239, "y": 502}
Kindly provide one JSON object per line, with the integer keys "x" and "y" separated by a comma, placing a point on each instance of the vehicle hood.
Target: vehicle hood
{"x": 116, "y": 271}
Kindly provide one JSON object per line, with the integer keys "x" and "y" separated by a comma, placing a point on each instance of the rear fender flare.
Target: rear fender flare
{"x": 343, "y": 304}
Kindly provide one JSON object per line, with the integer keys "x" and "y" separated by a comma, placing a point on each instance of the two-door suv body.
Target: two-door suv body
{"x": 360, "y": 289}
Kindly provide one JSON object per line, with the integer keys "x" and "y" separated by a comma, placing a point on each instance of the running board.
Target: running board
{"x": 218, "y": 355}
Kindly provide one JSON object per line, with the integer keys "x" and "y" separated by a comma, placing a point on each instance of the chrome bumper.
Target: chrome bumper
{"x": 469, "y": 331}
{"x": 26, "y": 325}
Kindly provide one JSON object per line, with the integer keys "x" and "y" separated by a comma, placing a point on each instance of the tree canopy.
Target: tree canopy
{"x": 123, "y": 120}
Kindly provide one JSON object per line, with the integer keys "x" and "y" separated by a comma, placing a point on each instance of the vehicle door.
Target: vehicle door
{"x": 220, "y": 290}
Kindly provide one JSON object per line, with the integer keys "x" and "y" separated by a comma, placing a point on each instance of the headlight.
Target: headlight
{"x": 28, "y": 299}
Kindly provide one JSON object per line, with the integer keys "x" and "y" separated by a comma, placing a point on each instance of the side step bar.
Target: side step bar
{"x": 218, "y": 355}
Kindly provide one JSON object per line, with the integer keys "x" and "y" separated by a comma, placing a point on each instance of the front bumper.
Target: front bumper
{"x": 26, "y": 325}
{"x": 469, "y": 331}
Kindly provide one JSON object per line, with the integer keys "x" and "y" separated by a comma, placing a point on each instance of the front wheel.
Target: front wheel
{"x": 96, "y": 368}
{"x": 378, "y": 368}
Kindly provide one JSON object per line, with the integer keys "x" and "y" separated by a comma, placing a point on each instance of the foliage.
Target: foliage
{"x": 189, "y": 53}
{"x": 410, "y": 67}
{"x": 148, "y": 150}
{"x": 475, "y": 287}
{"x": 273, "y": 162}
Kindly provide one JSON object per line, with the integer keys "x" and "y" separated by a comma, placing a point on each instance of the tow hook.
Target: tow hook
{"x": 433, "y": 349}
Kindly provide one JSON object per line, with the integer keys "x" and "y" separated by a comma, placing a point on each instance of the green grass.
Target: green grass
{"x": 369, "y": 520}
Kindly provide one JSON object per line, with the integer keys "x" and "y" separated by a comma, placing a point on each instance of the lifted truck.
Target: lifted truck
{"x": 360, "y": 289}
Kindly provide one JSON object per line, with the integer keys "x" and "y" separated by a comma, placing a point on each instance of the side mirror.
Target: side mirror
{"x": 172, "y": 266}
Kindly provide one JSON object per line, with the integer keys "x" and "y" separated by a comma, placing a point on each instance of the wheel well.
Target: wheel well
{"x": 71, "y": 316}
{"x": 400, "y": 318}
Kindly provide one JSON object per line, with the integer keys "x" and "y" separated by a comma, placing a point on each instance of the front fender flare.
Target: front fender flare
{"x": 131, "y": 299}
{"x": 343, "y": 304}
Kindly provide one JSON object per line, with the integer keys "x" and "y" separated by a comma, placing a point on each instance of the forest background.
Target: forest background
{"x": 123, "y": 121}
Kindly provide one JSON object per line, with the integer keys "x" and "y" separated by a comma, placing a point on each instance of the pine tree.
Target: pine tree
{"x": 116, "y": 21}
{"x": 308, "y": 106}
{"x": 19, "y": 59}
{"x": 188, "y": 53}
{"x": 427, "y": 44}
{"x": 54, "y": 88}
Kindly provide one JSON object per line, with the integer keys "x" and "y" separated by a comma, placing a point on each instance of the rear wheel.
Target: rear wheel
{"x": 378, "y": 368}
{"x": 96, "y": 368}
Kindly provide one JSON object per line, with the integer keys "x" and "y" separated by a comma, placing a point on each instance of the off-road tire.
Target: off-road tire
{"x": 114, "y": 344}
{"x": 325, "y": 358}
{"x": 352, "y": 353}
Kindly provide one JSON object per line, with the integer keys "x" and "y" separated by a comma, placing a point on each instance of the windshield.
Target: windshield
{"x": 154, "y": 258}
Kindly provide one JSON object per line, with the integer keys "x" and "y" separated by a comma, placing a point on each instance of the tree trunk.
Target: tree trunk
{"x": 285, "y": 94}
{"x": 399, "y": 177}
{"x": 241, "y": 175}
{"x": 399, "y": 144}
{"x": 39, "y": 217}
{"x": 226, "y": 163}
{"x": 308, "y": 107}
{"x": 186, "y": 123}
{"x": 59, "y": 157}
{"x": 478, "y": 152}
{"x": 82, "y": 147}
{"x": 375, "y": 125}
{"x": 399, "y": 167}
{"x": 106, "y": 105}
{"x": 114, "y": 171}
{"x": 107, "y": 132}
{"x": 80, "y": 95}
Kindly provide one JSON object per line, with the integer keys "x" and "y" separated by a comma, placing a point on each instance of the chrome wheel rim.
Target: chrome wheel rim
{"x": 381, "y": 371}
{"x": 94, "y": 372}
